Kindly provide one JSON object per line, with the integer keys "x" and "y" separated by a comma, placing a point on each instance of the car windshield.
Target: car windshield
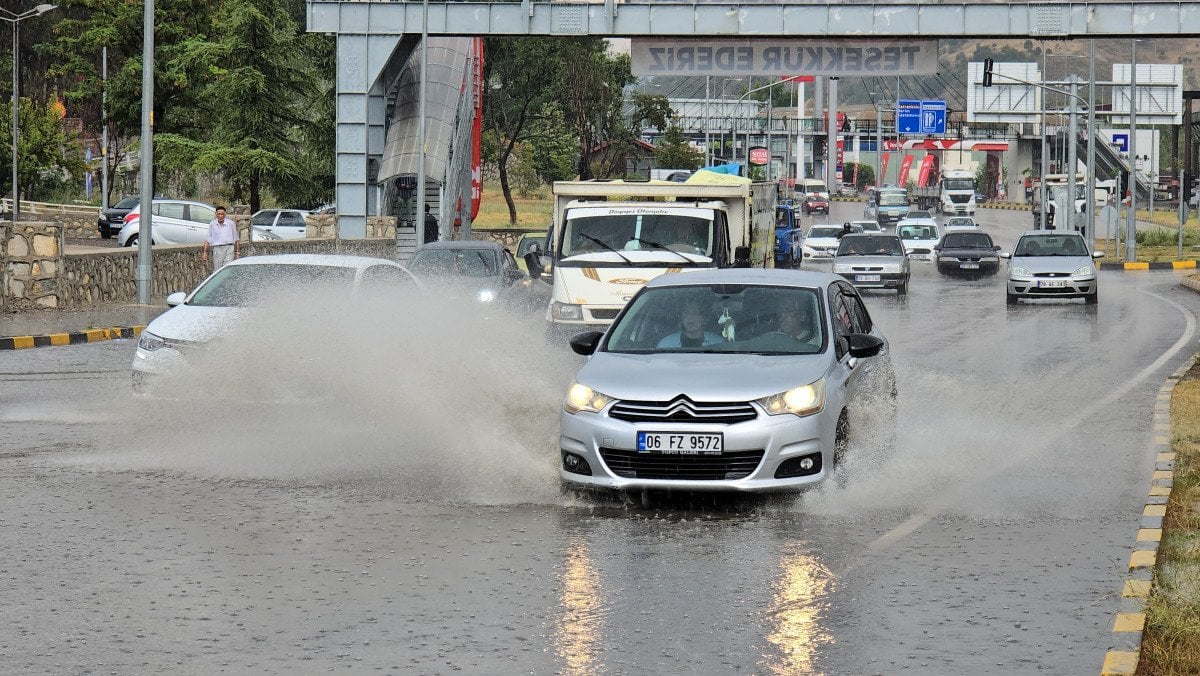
{"x": 960, "y": 222}
{"x": 867, "y": 226}
{"x": 127, "y": 203}
{"x": 721, "y": 318}
{"x": 871, "y": 245}
{"x": 967, "y": 240}
{"x": 253, "y": 285}
{"x": 815, "y": 187}
{"x": 454, "y": 262}
{"x": 917, "y": 232}
{"x": 830, "y": 230}
{"x": 919, "y": 214}
{"x": 593, "y": 230}
{"x": 1051, "y": 245}
{"x": 893, "y": 199}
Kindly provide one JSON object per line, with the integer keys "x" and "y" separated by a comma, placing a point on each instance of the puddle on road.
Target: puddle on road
{"x": 432, "y": 402}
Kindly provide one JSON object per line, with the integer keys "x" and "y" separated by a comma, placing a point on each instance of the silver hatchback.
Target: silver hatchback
{"x": 1052, "y": 264}
{"x": 723, "y": 380}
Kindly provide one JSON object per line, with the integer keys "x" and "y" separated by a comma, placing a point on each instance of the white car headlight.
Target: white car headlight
{"x": 583, "y": 398}
{"x": 841, "y": 267}
{"x": 1085, "y": 271}
{"x": 805, "y": 400}
{"x": 566, "y": 311}
{"x": 149, "y": 342}
{"x": 486, "y": 295}
{"x": 1019, "y": 271}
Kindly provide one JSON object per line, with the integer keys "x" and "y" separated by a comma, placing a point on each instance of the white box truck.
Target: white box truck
{"x": 954, "y": 193}
{"x": 608, "y": 238}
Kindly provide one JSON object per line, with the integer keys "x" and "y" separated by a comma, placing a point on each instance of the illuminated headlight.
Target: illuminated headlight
{"x": 150, "y": 342}
{"x": 1019, "y": 271}
{"x": 566, "y": 311}
{"x": 583, "y": 398}
{"x": 486, "y": 295}
{"x": 841, "y": 267}
{"x": 805, "y": 400}
{"x": 1085, "y": 271}
{"x": 891, "y": 268}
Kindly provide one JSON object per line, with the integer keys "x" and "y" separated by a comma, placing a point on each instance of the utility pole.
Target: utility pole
{"x": 1093, "y": 139}
{"x": 145, "y": 263}
{"x": 831, "y": 179}
{"x": 1072, "y": 154}
{"x": 1043, "y": 193}
{"x": 1131, "y": 225}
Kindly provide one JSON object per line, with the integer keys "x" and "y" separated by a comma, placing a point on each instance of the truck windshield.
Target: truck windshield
{"x": 633, "y": 229}
{"x": 958, "y": 184}
{"x": 893, "y": 199}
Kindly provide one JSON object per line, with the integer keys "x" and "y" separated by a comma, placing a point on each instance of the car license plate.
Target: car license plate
{"x": 1051, "y": 283}
{"x": 969, "y": 266}
{"x": 680, "y": 443}
{"x": 866, "y": 278}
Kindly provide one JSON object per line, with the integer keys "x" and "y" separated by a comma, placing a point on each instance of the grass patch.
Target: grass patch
{"x": 1171, "y": 642}
{"x": 532, "y": 213}
{"x": 1148, "y": 252}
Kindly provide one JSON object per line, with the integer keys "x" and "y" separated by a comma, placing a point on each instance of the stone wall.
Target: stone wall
{"x": 506, "y": 237}
{"x": 75, "y": 226}
{"x": 31, "y": 265}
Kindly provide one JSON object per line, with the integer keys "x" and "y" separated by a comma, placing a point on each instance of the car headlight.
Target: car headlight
{"x": 1019, "y": 271}
{"x": 891, "y": 268}
{"x": 841, "y": 267}
{"x": 486, "y": 295}
{"x": 804, "y": 400}
{"x": 583, "y": 398}
{"x": 1085, "y": 271}
{"x": 566, "y": 311}
{"x": 149, "y": 342}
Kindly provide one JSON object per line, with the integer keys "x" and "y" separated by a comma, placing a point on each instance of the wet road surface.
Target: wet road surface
{"x": 992, "y": 539}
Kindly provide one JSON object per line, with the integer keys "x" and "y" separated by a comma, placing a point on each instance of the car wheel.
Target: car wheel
{"x": 1092, "y": 299}
{"x": 1011, "y": 298}
{"x": 902, "y": 290}
{"x": 841, "y": 441}
{"x": 132, "y": 241}
{"x": 105, "y": 233}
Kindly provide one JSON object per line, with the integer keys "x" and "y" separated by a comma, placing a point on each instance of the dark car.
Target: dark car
{"x": 971, "y": 254}
{"x": 484, "y": 271}
{"x": 815, "y": 204}
{"x": 112, "y": 218}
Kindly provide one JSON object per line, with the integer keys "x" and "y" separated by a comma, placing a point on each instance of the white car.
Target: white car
{"x": 175, "y": 222}
{"x": 182, "y": 346}
{"x": 821, "y": 241}
{"x": 920, "y": 235}
{"x": 284, "y": 223}
{"x": 868, "y": 226}
{"x": 961, "y": 223}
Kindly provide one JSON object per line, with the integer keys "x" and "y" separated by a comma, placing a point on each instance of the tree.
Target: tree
{"x": 866, "y": 174}
{"x": 674, "y": 151}
{"x": 45, "y": 151}
{"x": 591, "y": 87}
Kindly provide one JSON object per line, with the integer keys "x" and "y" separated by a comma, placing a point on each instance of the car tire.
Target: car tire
{"x": 841, "y": 442}
{"x": 105, "y": 232}
{"x": 1092, "y": 299}
{"x": 132, "y": 241}
{"x": 1011, "y": 298}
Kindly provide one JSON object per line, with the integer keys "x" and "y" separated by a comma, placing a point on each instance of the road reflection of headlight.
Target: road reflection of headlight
{"x": 486, "y": 295}
{"x": 796, "y": 608}
{"x": 149, "y": 342}
{"x": 577, "y": 637}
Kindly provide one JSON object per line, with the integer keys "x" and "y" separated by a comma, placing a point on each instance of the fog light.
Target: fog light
{"x": 806, "y": 464}
{"x": 575, "y": 464}
{"x": 797, "y": 467}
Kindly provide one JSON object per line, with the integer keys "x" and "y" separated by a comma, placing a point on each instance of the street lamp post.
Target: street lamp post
{"x": 15, "y": 19}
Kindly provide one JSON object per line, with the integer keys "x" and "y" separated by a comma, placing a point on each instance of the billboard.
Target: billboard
{"x": 767, "y": 56}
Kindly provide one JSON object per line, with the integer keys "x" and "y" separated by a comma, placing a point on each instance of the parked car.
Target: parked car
{"x": 177, "y": 346}
{"x": 285, "y": 223}
{"x": 1052, "y": 264}
{"x": 484, "y": 271}
{"x": 873, "y": 261}
{"x": 175, "y": 222}
{"x": 724, "y": 380}
{"x": 112, "y": 218}
{"x": 821, "y": 241}
{"x": 966, "y": 252}
{"x": 920, "y": 236}
{"x": 815, "y": 203}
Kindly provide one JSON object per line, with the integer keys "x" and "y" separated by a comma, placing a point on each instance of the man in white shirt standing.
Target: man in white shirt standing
{"x": 223, "y": 238}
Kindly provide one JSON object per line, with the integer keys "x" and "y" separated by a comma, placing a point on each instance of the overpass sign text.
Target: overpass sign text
{"x": 859, "y": 58}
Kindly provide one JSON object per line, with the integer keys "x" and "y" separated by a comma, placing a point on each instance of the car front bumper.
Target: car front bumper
{"x": 1055, "y": 287}
{"x": 755, "y": 451}
{"x": 954, "y": 266}
{"x": 887, "y": 280}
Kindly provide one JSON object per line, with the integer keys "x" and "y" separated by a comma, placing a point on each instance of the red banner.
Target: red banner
{"x": 882, "y": 170}
{"x": 905, "y": 167}
{"x": 926, "y": 169}
{"x": 798, "y": 78}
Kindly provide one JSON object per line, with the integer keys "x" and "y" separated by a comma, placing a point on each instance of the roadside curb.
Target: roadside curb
{"x": 1122, "y": 658}
{"x": 1147, "y": 265}
{"x": 72, "y": 338}
{"x": 1191, "y": 283}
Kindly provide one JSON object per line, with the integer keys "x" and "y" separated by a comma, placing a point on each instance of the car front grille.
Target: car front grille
{"x": 682, "y": 409}
{"x": 724, "y": 467}
{"x": 919, "y": 251}
{"x": 1051, "y": 274}
{"x": 606, "y": 314}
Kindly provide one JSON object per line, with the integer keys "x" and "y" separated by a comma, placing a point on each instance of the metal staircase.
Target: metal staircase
{"x": 1111, "y": 165}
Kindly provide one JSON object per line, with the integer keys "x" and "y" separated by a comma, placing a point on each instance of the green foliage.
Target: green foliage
{"x": 1165, "y": 237}
{"x": 674, "y": 151}
{"x": 866, "y": 174}
{"x": 47, "y": 156}
{"x": 551, "y": 148}
{"x": 652, "y": 109}
{"x": 524, "y": 176}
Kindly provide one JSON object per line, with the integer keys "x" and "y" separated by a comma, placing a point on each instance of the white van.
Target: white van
{"x": 811, "y": 186}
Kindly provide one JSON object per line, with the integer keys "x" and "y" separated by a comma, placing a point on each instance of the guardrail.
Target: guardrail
{"x": 35, "y": 208}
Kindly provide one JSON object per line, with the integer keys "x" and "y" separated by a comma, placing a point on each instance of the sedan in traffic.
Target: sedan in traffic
{"x": 481, "y": 271}
{"x": 815, "y": 204}
{"x": 920, "y": 235}
{"x": 821, "y": 241}
{"x": 873, "y": 261}
{"x": 1051, "y": 264}
{"x": 723, "y": 380}
{"x": 967, "y": 253}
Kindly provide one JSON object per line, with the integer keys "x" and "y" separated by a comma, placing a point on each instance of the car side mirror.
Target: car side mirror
{"x": 1097, "y": 254}
{"x": 1005, "y": 254}
{"x": 741, "y": 257}
{"x": 585, "y": 343}
{"x": 533, "y": 261}
{"x": 176, "y": 298}
{"x": 862, "y": 345}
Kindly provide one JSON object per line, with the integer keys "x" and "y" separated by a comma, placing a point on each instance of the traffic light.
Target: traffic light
{"x": 988, "y": 65}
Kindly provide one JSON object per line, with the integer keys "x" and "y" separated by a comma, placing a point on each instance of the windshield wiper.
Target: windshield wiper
{"x": 660, "y": 247}
{"x": 605, "y": 245}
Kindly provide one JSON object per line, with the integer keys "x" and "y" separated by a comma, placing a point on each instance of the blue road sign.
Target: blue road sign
{"x": 933, "y": 117}
{"x": 908, "y": 116}
{"x": 1121, "y": 141}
